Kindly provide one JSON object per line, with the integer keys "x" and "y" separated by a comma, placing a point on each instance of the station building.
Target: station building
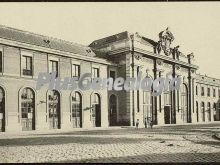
{"x": 23, "y": 55}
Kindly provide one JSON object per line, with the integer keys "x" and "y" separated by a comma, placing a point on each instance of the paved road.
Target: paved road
{"x": 161, "y": 144}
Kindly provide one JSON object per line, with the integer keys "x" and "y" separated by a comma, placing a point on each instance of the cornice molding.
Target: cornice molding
{"x": 52, "y": 51}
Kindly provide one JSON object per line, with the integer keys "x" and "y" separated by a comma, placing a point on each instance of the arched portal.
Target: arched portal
{"x": 27, "y": 109}
{"x": 2, "y": 110}
{"x": 96, "y": 110}
{"x": 54, "y": 109}
{"x": 167, "y": 107}
{"x": 76, "y": 99}
{"x": 113, "y": 110}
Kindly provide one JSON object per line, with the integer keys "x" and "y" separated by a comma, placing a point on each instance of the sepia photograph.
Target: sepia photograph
{"x": 109, "y": 82}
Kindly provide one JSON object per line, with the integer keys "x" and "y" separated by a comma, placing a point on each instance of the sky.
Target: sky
{"x": 195, "y": 25}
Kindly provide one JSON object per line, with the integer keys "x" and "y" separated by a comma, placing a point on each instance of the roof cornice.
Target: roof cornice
{"x": 52, "y": 51}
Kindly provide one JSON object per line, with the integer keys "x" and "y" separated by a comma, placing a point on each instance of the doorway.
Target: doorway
{"x": 167, "y": 114}
{"x": 96, "y": 110}
{"x": 54, "y": 109}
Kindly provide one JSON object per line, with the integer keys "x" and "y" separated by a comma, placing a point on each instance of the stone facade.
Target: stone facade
{"x": 121, "y": 55}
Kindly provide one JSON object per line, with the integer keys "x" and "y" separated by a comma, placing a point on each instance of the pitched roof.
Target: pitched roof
{"x": 44, "y": 41}
{"x": 109, "y": 39}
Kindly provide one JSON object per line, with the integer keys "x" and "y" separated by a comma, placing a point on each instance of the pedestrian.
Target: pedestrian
{"x": 145, "y": 122}
{"x": 137, "y": 123}
{"x": 151, "y": 124}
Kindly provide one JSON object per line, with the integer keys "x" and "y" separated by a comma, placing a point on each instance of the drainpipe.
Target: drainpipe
{"x": 132, "y": 65}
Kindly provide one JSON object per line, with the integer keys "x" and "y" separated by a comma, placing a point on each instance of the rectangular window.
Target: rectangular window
{"x": 112, "y": 75}
{"x": 27, "y": 65}
{"x": 75, "y": 70}
{"x": 202, "y": 91}
{"x": 95, "y": 72}
{"x": 208, "y": 91}
{"x": 213, "y": 92}
{"x": 53, "y": 67}
{"x": 167, "y": 98}
{"x": 196, "y": 90}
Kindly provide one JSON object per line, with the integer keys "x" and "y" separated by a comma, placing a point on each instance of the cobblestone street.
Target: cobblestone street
{"x": 190, "y": 143}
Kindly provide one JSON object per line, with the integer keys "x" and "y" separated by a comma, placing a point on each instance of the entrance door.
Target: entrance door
{"x": 54, "y": 109}
{"x": 113, "y": 110}
{"x": 27, "y": 109}
{"x": 167, "y": 111}
{"x": 2, "y": 110}
{"x": 76, "y": 110}
{"x": 96, "y": 111}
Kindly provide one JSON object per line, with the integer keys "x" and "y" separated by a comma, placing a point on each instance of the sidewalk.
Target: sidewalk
{"x": 52, "y": 131}
{"x": 41, "y": 132}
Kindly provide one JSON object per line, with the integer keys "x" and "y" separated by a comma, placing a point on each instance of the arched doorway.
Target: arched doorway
{"x": 113, "y": 110}
{"x": 54, "y": 109}
{"x": 167, "y": 107}
{"x": 184, "y": 103}
{"x": 209, "y": 111}
{"x": 214, "y": 112}
{"x": 27, "y": 109}
{"x": 96, "y": 110}
{"x": 76, "y": 110}
{"x": 2, "y": 110}
{"x": 203, "y": 111}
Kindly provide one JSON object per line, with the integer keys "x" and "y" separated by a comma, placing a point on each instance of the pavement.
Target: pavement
{"x": 188, "y": 143}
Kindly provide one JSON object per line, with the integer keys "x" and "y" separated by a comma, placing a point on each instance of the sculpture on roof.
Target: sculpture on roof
{"x": 165, "y": 40}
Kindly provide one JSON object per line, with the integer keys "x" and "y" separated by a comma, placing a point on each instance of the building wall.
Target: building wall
{"x": 12, "y": 81}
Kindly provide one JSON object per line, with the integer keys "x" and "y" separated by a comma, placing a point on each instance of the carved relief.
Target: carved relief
{"x": 177, "y": 67}
{"x": 159, "y": 62}
{"x": 138, "y": 57}
{"x": 165, "y": 40}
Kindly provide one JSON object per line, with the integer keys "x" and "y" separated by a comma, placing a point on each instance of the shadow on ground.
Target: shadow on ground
{"x": 147, "y": 158}
{"x": 70, "y": 139}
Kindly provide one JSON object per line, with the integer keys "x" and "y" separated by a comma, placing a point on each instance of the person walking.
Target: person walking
{"x": 137, "y": 123}
{"x": 151, "y": 124}
{"x": 145, "y": 122}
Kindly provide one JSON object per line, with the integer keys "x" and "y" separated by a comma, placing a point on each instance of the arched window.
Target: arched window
{"x": 27, "y": 109}
{"x": 54, "y": 109}
{"x": 76, "y": 110}
{"x": 2, "y": 110}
